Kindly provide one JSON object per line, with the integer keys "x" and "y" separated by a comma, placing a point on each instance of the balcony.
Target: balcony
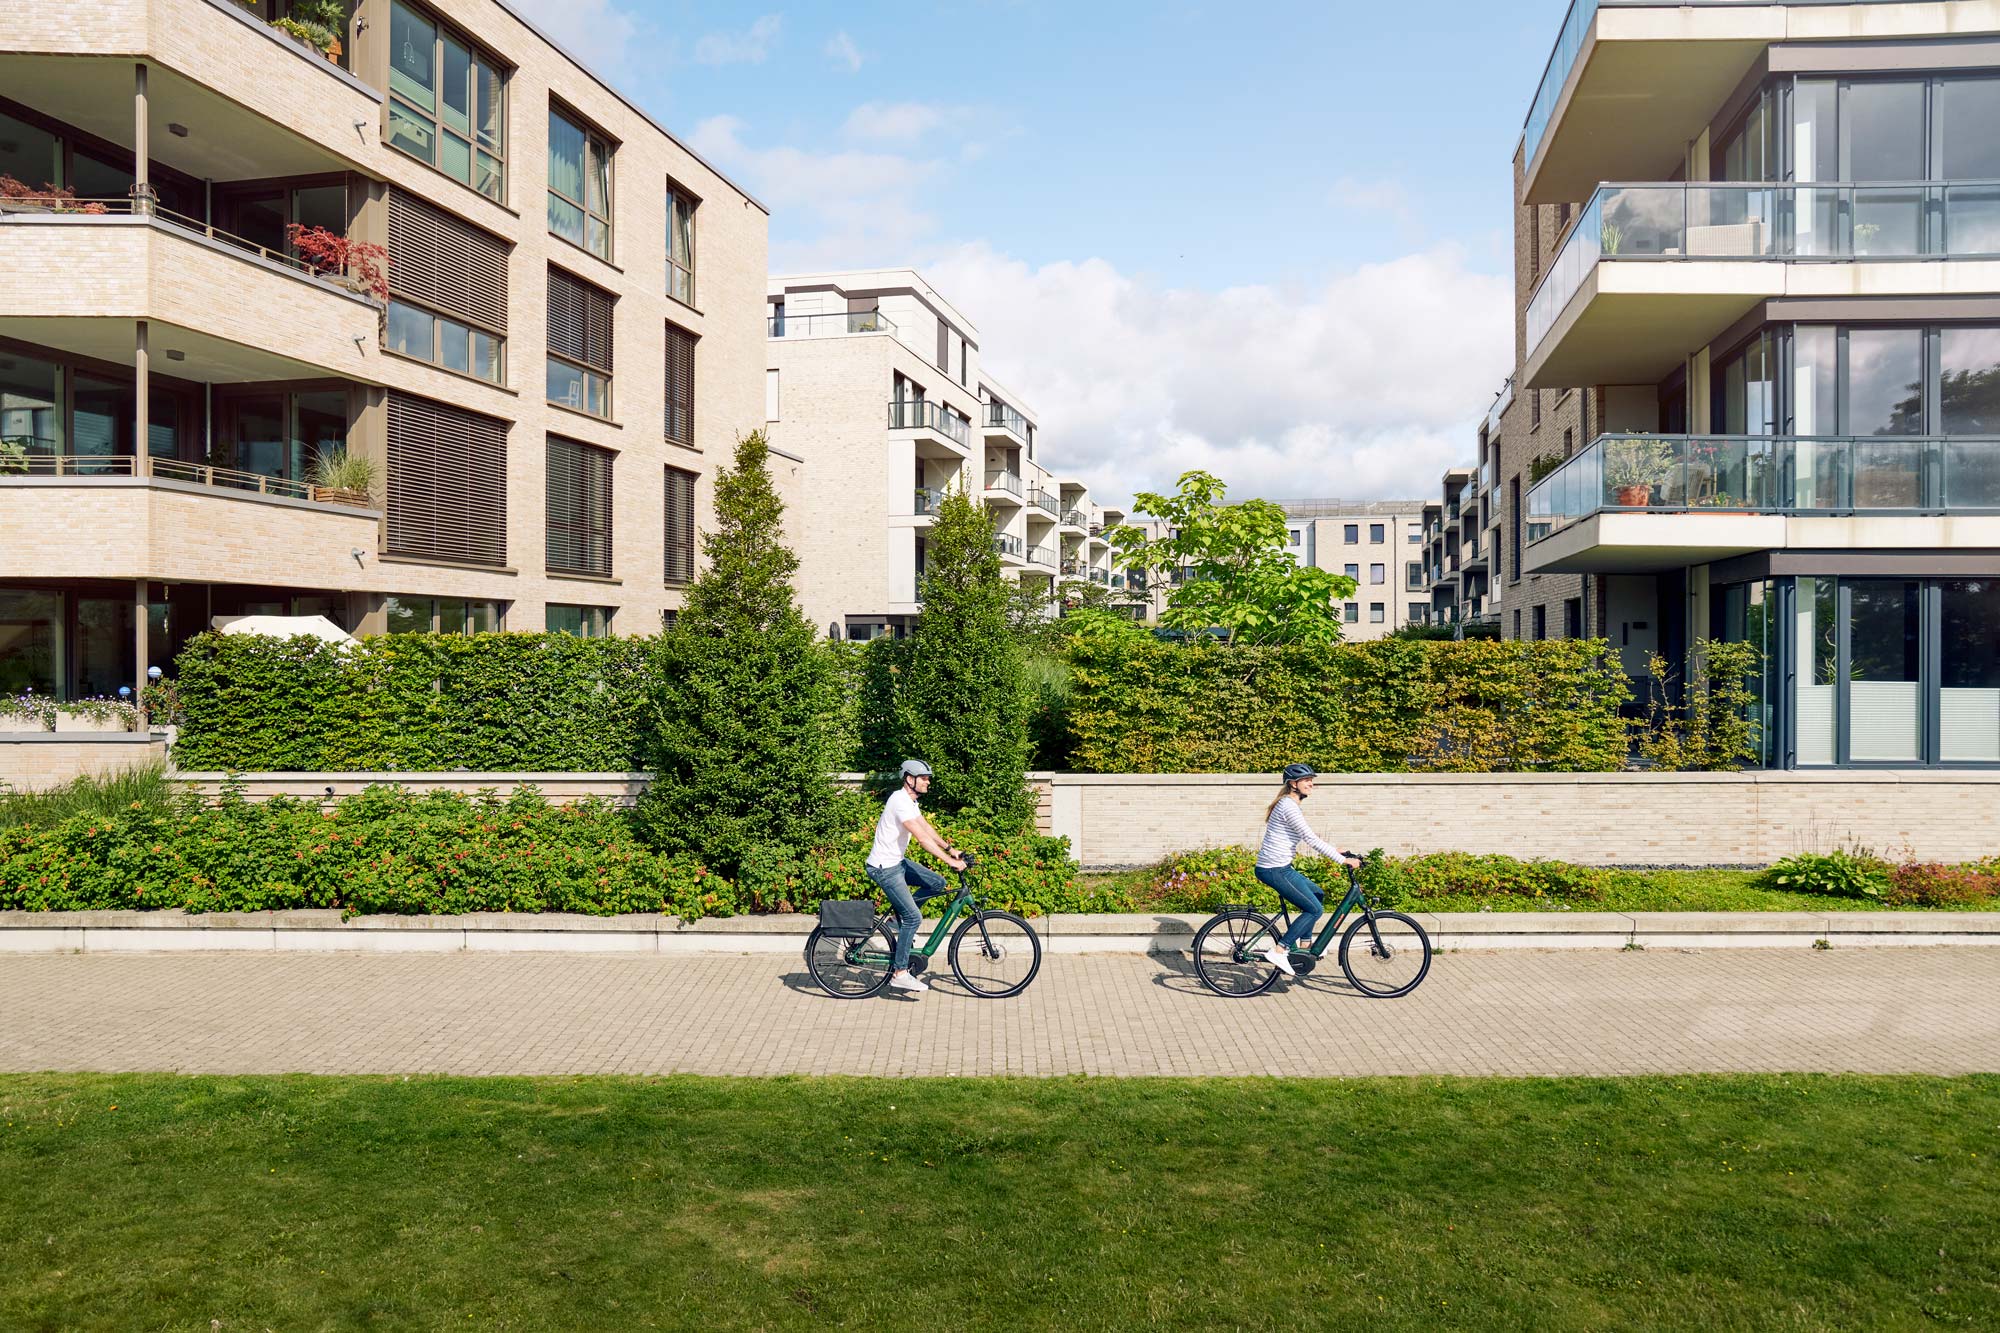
{"x": 1652, "y": 270}
{"x": 1100, "y": 576}
{"x": 1075, "y": 518}
{"x": 209, "y": 61}
{"x": 1004, "y": 423}
{"x": 1003, "y": 488}
{"x": 1074, "y": 569}
{"x": 244, "y": 312}
{"x": 928, "y": 499}
{"x": 940, "y": 433}
{"x": 1645, "y": 502}
{"x": 837, "y": 325}
{"x": 1010, "y": 548}
{"x": 158, "y": 518}
{"x": 1630, "y": 83}
{"x": 1042, "y": 555}
{"x": 1041, "y": 499}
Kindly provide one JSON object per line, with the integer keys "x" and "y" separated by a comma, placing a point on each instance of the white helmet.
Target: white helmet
{"x": 916, "y": 768}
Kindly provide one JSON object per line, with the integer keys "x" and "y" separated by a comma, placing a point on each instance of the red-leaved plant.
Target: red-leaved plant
{"x": 326, "y": 251}
{"x": 56, "y": 198}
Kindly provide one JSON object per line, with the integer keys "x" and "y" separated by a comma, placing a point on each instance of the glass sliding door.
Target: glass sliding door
{"x": 261, "y": 444}
{"x": 104, "y": 646}
{"x": 1884, "y": 679}
{"x": 1969, "y": 671}
{"x": 30, "y": 642}
{"x": 101, "y": 420}
{"x": 1815, "y": 648}
{"x": 30, "y": 406}
{"x": 1885, "y": 397}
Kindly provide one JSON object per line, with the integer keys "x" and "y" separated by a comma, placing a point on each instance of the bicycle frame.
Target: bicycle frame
{"x": 961, "y": 902}
{"x": 1352, "y": 900}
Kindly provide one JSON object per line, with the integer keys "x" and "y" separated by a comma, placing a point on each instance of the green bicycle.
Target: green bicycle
{"x": 993, "y": 954}
{"x": 1384, "y": 954}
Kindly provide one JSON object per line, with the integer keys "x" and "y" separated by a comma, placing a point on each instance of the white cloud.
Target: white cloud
{"x": 733, "y": 48}
{"x": 840, "y": 48}
{"x": 598, "y": 32}
{"x": 894, "y": 121}
{"x": 1365, "y": 385}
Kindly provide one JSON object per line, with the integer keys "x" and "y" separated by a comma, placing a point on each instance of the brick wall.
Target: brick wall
{"x": 36, "y": 763}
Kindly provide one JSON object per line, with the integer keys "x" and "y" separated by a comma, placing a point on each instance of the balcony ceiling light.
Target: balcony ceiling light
{"x": 176, "y": 129}
{"x": 174, "y": 354}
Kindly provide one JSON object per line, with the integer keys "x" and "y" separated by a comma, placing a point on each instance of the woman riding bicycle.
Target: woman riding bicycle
{"x": 1284, "y": 829}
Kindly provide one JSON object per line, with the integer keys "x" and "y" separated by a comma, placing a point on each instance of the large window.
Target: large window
{"x": 679, "y": 526}
{"x": 579, "y": 508}
{"x": 680, "y": 245}
{"x": 30, "y": 404}
{"x": 586, "y": 622}
{"x": 447, "y": 483}
{"x": 579, "y": 185}
{"x": 580, "y": 344}
{"x": 447, "y": 101}
{"x": 413, "y": 331}
{"x": 1969, "y": 671}
{"x": 30, "y": 640}
{"x": 441, "y": 615}
{"x": 1969, "y": 381}
{"x": 448, "y": 290}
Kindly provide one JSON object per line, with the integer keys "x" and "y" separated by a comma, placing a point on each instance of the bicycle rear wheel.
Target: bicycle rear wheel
{"x": 1227, "y": 953}
{"x": 1385, "y": 954}
{"x": 995, "y": 954}
{"x": 849, "y": 968}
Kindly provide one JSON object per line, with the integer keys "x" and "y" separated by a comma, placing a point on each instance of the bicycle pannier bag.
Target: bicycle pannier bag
{"x": 851, "y": 917}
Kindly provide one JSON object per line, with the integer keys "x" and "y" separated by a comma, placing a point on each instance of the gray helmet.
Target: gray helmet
{"x": 1296, "y": 772}
{"x": 916, "y": 768}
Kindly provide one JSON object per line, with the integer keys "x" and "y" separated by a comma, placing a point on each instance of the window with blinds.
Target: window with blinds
{"x": 447, "y": 290}
{"x": 446, "y": 483}
{"x": 680, "y": 526}
{"x": 579, "y": 502}
{"x": 580, "y": 343}
{"x": 680, "y": 386}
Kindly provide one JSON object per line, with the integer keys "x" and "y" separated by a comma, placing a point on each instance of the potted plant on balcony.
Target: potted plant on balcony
{"x": 341, "y": 478}
{"x": 355, "y": 265}
{"x": 1633, "y": 466}
{"x": 20, "y": 197}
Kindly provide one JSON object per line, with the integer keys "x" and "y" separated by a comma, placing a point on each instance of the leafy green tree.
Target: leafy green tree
{"x": 745, "y": 705}
{"x": 961, "y": 696}
{"x": 1239, "y": 577}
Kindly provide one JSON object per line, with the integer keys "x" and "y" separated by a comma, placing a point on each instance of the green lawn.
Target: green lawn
{"x": 160, "y": 1202}
{"x": 1634, "y": 891}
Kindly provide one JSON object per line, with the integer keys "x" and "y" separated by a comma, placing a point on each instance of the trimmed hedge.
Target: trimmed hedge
{"x": 1206, "y": 880}
{"x": 1138, "y": 706}
{"x": 411, "y": 703}
{"x": 385, "y": 850}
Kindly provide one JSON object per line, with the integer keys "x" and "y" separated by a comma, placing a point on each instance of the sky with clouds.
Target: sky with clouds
{"x": 1270, "y": 240}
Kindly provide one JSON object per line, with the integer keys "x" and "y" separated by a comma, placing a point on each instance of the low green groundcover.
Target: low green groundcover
{"x": 594, "y": 1203}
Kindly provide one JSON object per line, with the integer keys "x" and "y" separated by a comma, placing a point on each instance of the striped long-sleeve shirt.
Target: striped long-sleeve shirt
{"x": 1284, "y": 832}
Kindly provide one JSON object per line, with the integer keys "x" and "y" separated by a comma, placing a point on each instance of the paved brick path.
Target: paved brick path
{"x": 1885, "y": 1010}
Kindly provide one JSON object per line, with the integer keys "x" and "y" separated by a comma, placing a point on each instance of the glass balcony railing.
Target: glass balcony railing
{"x": 928, "y": 499}
{"x": 1006, "y": 545}
{"x": 827, "y": 326}
{"x": 1042, "y": 555}
{"x": 1004, "y": 481}
{"x": 1003, "y": 417}
{"x": 905, "y": 415}
{"x": 1569, "y": 44}
{"x": 1769, "y": 474}
{"x": 1042, "y": 500}
{"x": 1836, "y": 221}
{"x": 1074, "y": 518}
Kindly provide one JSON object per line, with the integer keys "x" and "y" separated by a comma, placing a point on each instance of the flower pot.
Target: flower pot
{"x": 68, "y": 721}
{"x": 331, "y": 495}
{"x": 1633, "y": 497}
{"x": 333, "y": 52}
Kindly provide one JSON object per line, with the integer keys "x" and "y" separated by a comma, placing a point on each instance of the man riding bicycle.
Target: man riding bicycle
{"x": 893, "y": 871}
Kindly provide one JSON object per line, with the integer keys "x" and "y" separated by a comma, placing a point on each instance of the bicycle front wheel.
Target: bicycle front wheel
{"x": 1385, "y": 954}
{"x": 1227, "y": 953}
{"x": 849, "y": 968}
{"x": 995, "y": 954}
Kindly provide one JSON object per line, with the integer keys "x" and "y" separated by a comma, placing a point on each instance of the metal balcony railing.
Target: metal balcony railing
{"x": 1007, "y": 545}
{"x": 911, "y": 415}
{"x": 1769, "y": 474}
{"x": 1003, "y": 417}
{"x": 1722, "y": 221}
{"x": 1004, "y": 481}
{"x": 1075, "y": 518}
{"x": 1041, "y": 499}
{"x": 829, "y": 326}
{"x": 38, "y": 462}
{"x": 1042, "y": 555}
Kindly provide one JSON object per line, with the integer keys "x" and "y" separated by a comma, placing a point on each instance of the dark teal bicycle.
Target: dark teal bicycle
{"x": 993, "y": 954}
{"x": 1384, "y": 954}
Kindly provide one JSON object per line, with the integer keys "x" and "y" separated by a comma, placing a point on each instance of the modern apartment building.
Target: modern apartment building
{"x": 1757, "y": 392}
{"x": 1377, "y": 543}
{"x": 568, "y": 338}
{"x": 873, "y": 383}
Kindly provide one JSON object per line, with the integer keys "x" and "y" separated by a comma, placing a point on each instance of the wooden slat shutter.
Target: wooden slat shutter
{"x": 447, "y": 483}
{"x": 450, "y": 266}
{"x": 579, "y": 504}
{"x": 680, "y": 386}
{"x": 680, "y": 526}
{"x": 579, "y": 321}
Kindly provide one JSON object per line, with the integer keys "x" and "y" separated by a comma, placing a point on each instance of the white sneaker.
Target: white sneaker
{"x": 908, "y": 981}
{"x": 1277, "y": 956}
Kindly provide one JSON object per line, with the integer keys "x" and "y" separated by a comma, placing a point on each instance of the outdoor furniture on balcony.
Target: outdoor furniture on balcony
{"x": 1074, "y": 518}
{"x": 1008, "y": 546}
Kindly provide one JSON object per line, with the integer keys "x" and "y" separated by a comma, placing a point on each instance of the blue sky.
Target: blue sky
{"x": 1129, "y": 199}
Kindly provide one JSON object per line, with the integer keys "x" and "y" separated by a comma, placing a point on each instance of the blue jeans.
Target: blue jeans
{"x": 1300, "y": 892}
{"x": 895, "y": 881}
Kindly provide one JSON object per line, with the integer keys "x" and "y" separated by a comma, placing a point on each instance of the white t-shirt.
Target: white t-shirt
{"x": 892, "y": 840}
